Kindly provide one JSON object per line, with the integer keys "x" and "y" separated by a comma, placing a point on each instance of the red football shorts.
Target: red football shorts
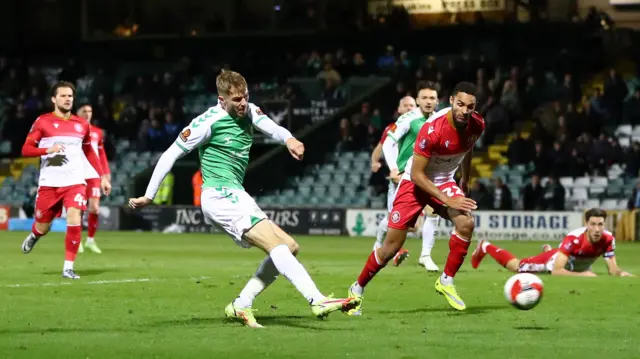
{"x": 410, "y": 201}
{"x": 93, "y": 188}
{"x": 50, "y": 200}
{"x": 543, "y": 262}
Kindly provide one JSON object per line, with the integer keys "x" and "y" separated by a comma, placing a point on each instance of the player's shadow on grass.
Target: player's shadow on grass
{"x": 531, "y": 328}
{"x": 293, "y": 321}
{"x": 87, "y": 272}
{"x": 468, "y": 311}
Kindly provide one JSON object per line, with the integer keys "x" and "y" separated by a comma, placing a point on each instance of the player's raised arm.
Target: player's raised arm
{"x": 425, "y": 143}
{"x": 189, "y": 139}
{"x": 267, "y": 126}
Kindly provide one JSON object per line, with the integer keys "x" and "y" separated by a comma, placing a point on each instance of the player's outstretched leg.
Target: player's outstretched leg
{"x": 262, "y": 235}
{"x": 428, "y": 240}
{"x": 377, "y": 260}
{"x": 503, "y": 257}
{"x": 458, "y": 247}
{"x": 267, "y": 273}
{"x": 38, "y": 230}
{"x": 92, "y": 225}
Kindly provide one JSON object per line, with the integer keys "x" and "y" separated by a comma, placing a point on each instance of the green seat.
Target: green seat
{"x": 324, "y": 178}
{"x": 319, "y": 190}
{"x": 339, "y": 178}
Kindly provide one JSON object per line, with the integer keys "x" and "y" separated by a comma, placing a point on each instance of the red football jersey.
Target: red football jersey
{"x": 390, "y": 128}
{"x": 582, "y": 253}
{"x": 67, "y": 167}
{"x": 97, "y": 143}
{"x": 444, "y": 145}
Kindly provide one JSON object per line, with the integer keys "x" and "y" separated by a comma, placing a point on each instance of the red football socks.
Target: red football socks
{"x": 457, "y": 251}
{"x": 371, "y": 268}
{"x": 72, "y": 242}
{"x": 92, "y": 224}
{"x": 500, "y": 255}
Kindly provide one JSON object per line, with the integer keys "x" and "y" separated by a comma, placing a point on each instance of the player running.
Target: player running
{"x": 406, "y": 104}
{"x": 61, "y": 140}
{"x": 444, "y": 143}
{"x": 397, "y": 149}
{"x": 577, "y": 252}
{"x": 223, "y": 136}
{"x": 85, "y": 111}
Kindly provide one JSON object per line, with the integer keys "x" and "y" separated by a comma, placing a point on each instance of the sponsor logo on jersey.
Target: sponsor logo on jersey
{"x": 259, "y": 111}
{"x": 423, "y": 143}
{"x": 395, "y": 217}
{"x": 446, "y": 143}
{"x": 184, "y": 135}
{"x": 55, "y": 125}
{"x": 431, "y": 130}
{"x": 77, "y": 127}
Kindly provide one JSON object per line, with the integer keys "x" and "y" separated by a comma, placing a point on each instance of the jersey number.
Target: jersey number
{"x": 452, "y": 191}
{"x": 79, "y": 199}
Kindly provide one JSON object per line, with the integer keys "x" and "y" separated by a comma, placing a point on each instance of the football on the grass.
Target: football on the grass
{"x": 523, "y": 290}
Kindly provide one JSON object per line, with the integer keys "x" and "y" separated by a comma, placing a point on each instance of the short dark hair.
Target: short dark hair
{"x": 63, "y": 84}
{"x": 595, "y": 212}
{"x": 466, "y": 87}
{"x": 83, "y": 104}
{"x": 426, "y": 85}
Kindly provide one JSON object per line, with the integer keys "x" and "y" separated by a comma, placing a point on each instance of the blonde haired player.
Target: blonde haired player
{"x": 85, "y": 111}
{"x": 223, "y": 136}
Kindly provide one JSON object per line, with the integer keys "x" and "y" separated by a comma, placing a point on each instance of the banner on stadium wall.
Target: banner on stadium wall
{"x": 5, "y": 214}
{"x": 189, "y": 219}
{"x": 280, "y": 112}
{"x": 491, "y": 225}
{"x": 379, "y": 7}
{"x": 306, "y": 113}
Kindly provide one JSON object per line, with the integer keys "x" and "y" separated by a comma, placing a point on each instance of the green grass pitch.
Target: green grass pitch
{"x": 163, "y": 296}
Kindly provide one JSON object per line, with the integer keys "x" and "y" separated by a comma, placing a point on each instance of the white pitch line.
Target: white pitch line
{"x": 114, "y": 281}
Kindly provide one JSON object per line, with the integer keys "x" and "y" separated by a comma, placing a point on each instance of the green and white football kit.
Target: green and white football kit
{"x": 223, "y": 144}
{"x": 398, "y": 149}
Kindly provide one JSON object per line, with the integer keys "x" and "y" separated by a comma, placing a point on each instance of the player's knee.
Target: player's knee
{"x": 294, "y": 248}
{"x": 94, "y": 206}
{"x": 74, "y": 216}
{"x": 465, "y": 226}
{"x": 43, "y": 228}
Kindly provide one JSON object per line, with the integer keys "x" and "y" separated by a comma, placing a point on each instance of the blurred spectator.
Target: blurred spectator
{"x": 541, "y": 160}
{"x": 632, "y": 160}
{"x": 634, "y": 201}
{"x": 554, "y": 194}
{"x": 329, "y": 74}
{"x": 156, "y": 136}
{"x": 171, "y": 128}
{"x": 502, "y": 199}
{"x": 346, "y": 141}
{"x": 520, "y": 151}
{"x": 533, "y": 195}
{"x": 481, "y": 195}
{"x": 632, "y": 109}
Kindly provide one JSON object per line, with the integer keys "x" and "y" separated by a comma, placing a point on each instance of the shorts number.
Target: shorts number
{"x": 95, "y": 192}
{"x": 452, "y": 191}
{"x": 224, "y": 191}
{"x": 79, "y": 199}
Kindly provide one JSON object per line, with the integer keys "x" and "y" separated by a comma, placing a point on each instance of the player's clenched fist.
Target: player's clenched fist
{"x": 462, "y": 204}
{"x": 55, "y": 148}
{"x": 105, "y": 184}
{"x": 296, "y": 148}
{"x": 139, "y": 202}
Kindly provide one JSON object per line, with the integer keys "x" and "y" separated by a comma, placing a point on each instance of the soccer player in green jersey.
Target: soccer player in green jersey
{"x": 397, "y": 149}
{"x": 223, "y": 136}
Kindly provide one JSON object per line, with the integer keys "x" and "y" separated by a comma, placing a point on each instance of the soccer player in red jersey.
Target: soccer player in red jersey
{"x": 92, "y": 178}
{"x": 61, "y": 140}
{"x": 444, "y": 143}
{"x": 577, "y": 252}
